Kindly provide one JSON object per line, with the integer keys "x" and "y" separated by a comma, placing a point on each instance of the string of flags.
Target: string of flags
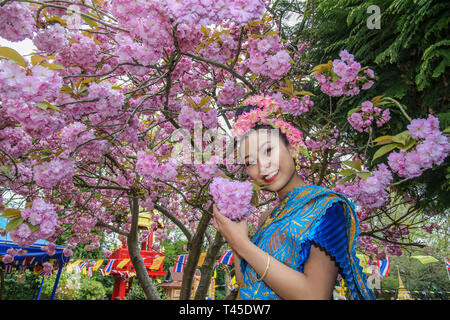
{"x": 30, "y": 263}
{"x": 425, "y": 293}
{"x": 122, "y": 267}
{"x": 384, "y": 265}
{"x": 113, "y": 266}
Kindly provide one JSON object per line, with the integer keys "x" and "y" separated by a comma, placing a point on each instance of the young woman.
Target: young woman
{"x": 300, "y": 247}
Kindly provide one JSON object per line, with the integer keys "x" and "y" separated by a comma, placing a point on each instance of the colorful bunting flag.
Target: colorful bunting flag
{"x": 425, "y": 259}
{"x": 201, "y": 259}
{"x": 157, "y": 262}
{"x": 97, "y": 265}
{"x": 108, "y": 267}
{"x": 122, "y": 263}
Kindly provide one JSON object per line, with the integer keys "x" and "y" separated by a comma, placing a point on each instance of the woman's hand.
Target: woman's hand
{"x": 236, "y": 233}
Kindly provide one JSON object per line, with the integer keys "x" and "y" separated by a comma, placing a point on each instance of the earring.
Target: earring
{"x": 296, "y": 162}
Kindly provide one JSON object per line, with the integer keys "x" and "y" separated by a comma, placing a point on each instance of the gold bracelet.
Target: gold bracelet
{"x": 267, "y": 268}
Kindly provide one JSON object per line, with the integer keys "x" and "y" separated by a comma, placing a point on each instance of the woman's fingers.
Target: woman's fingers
{"x": 214, "y": 223}
{"x": 217, "y": 215}
{"x": 215, "y": 210}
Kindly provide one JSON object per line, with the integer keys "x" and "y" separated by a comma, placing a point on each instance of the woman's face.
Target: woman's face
{"x": 267, "y": 159}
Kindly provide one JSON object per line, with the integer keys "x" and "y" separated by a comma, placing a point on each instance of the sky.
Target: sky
{"x": 24, "y": 47}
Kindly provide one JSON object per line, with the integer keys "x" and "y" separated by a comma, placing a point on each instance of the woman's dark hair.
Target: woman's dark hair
{"x": 248, "y": 108}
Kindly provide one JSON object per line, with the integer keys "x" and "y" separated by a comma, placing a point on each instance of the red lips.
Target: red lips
{"x": 271, "y": 179}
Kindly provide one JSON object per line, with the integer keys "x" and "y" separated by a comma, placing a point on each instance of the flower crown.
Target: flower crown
{"x": 268, "y": 112}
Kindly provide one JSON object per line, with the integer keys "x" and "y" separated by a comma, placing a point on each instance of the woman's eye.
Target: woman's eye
{"x": 249, "y": 163}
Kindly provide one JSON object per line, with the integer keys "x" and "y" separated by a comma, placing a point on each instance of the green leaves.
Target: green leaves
{"x": 402, "y": 140}
{"x": 13, "y": 215}
{"x": 355, "y": 171}
{"x": 13, "y": 224}
{"x": 44, "y": 105}
{"x": 13, "y": 55}
{"x": 383, "y": 150}
{"x": 354, "y": 164}
{"x": 10, "y": 213}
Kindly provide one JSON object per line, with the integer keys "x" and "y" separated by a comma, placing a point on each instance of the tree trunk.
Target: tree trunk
{"x": 194, "y": 253}
{"x": 135, "y": 255}
{"x": 207, "y": 268}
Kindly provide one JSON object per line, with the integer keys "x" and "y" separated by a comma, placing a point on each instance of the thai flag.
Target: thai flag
{"x": 180, "y": 263}
{"x": 384, "y": 266}
{"x": 226, "y": 257}
{"x": 447, "y": 264}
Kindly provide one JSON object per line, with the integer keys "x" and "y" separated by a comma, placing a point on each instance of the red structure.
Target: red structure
{"x": 123, "y": 275}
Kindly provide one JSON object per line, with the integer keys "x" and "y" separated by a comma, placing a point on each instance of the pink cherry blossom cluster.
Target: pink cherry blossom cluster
{"x": 109, "y": 101}
{"x": 188, "y": 116}
{"x": 35, "y": 121}
{"x": 149, "y": 167}
{"x": 221, "y": 48}
{"x": 130, "y": 51}
{"x": 362, "y": 121}
{"x": 50, "y": 174}
{"x": 77, "y": 135}
{"x": 369, "y": 193}
{"x": 51, "y": 39}
{"x": 430, "y": 227}
{"x": 367, "y": 243}
{"x": 208, "y": 169}
{"x": 345, "y": 77}
{"x": 322, "y": 143}
{"x": 35, "y": 84}
{"x": 268, "y": 57}
{"x": 232, "y": 197}
{"x": 81, "y": 226}
{"x": 230, "y": 93}
{"x": 150, "y": 31}
{"x": 189, "y": 37}
{"x": 79, "y": 57}
{"x": 39, "y": 222}
{"x": 377, "y": 250}
{"x": 11, "y": 253}
{"x": 50, "y": 248}
{"x": 16, "y": 21}
{"x": 432, "y": 149}
{"x": 294, "y": 106}
{"x": 209, "y": 12}
{"x": 15, "y": 141}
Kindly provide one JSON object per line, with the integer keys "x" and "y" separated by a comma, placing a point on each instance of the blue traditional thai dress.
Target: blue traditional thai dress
{"x": 308, "y": 214}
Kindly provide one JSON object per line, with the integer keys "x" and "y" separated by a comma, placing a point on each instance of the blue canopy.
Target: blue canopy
{"x": 34, "y": 256}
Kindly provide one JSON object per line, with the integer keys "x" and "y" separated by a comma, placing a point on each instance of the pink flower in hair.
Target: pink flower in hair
{"x": 268, "y": 112}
